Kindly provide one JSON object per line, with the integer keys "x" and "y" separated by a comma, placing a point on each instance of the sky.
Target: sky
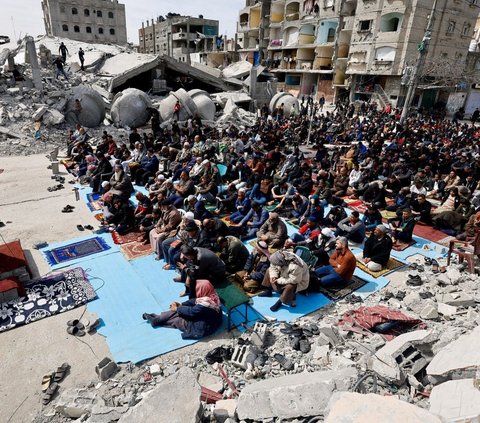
{"x": 26, "y": 16}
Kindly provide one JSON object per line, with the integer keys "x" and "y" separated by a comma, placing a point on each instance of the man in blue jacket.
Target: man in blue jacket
{"x": 149, "y": 166}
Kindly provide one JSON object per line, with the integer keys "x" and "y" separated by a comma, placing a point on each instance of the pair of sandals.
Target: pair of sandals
{"x": 55, "y": 188}
{"x": 68, "y": 209}
{"x": 77, "y": 328}
{"x": 414, "y": 280}
{"x": 417, "y": 267}
{"x": 81, "y": 228}
{"x": 50, "y": 382}
{"x": 59, "y": 178}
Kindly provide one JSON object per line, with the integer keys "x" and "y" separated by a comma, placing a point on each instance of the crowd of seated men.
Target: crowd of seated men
{"x": 208, "y": 190}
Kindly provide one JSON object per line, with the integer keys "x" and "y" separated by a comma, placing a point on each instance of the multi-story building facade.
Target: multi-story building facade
{"x": 253, "y": 29}
{"x": 179, "y": 37}
{"x": 90, "y": 21}
{"x": 360, "y": 47}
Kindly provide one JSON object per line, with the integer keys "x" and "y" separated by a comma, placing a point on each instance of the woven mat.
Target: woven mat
{"x": 400, "y": 246}
{"x": 388, "y": 214}
{"x": 134, "y": 250}
{"x": 393, "y": 264}
{"x": 125, "y": 239}
{"x": 339, "y": 293}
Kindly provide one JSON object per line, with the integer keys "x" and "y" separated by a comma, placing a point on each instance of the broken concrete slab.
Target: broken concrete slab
{"x": 458, "y": 360}
{"x": 53, "y": 117}
{"x": 237, "y": 70}
{"x": 350, "y": 407}
{"x": 75, "y": 402}
{"x": 39, "y": 113}
{"x": 212, "y": 382}
{"x": 389, "y": 361}
{"x": 302, "y": 394}
{"x": 456, "y": 299}
{"x": 101, "y": 414}
{"x": 456, "y": 400}
{"x": 225, "y": 409}
{"x": 429, "y": 311}
{"x": 446, "y": 310}
{"x": 174, "y": 400}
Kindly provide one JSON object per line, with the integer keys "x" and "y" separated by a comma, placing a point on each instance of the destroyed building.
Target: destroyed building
{"x": 90, "y": 21}
{"x": 180, "y": 36}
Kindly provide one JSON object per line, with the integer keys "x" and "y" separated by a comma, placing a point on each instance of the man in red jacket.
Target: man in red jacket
{"x": 342, "y": 265}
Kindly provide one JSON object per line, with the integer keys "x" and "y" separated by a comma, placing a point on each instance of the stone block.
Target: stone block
{"x": 429, "y": 312}
{"x": 102, "y": 414}
{"x": 460, "y": 358}
{"x": 298, "y": 395}
{"x": 456, "y": 299}
{"x": 446, "y": 310}
{"x": 39, "y": 113}
{"x": 242, "y": 356}
{"x": 53, "y": 117}
{"x": 174, "y": 400}
{"x": 389, "y": 360}
{"x": 155, "y": 369}
{"x": 212, "y": 382}
{"x": 225, "y": 409}
{"x": 456, "y": 400}
{"x": 259, "y": 334}
{"x": 76, "y": 402}
{"x": 106, "y": 369}
{"x": 349, "y": 407}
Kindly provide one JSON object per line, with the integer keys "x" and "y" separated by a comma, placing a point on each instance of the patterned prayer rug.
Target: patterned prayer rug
{"x": 76, "y": 250}
{"x": 400, "y": 246}
{"x": 125, "y": 239}
{"x": 134, "y": 250}
{"x": 46, "y": 297}
{"x": 339, "y": 293}
{"x": 392, "y": 265}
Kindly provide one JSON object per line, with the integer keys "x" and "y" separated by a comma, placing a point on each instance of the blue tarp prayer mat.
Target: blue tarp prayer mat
{"x": 76, "y": 250}
{"x": 46, "y": 297}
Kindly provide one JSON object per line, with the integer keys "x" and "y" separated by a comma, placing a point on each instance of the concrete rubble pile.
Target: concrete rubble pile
{"x": 312, "y": 368}
{"x": 35, "y": 119}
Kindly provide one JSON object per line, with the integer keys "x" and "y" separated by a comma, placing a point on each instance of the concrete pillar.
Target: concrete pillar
{"x": 188, "y": 42}
{"x": 11, "y": 62}
{"x": 36, "y": 73}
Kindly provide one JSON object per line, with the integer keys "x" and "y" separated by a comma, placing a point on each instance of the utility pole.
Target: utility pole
{"x": 422, "y": 55}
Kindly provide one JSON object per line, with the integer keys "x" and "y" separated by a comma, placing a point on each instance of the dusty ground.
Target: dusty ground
{"x": 28, "y": 352}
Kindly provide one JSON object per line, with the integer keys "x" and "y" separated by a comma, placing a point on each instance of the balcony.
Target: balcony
{"x": 275, "y": 44}
{"x": 183, "y": 36}
{"x": 179, "y": 51}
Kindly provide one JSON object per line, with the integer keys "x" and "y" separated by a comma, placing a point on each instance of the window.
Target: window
{"x": 331, "y": 35}
{"x": 88, "y": 29}
{"x": 112, "y": 31}
{"x": 110, "y": 15}
{"x": 391, "y": 22}
{"x": 328, "y": 3}
{"x": 62, "y": 8}
{"x": 466, "y": 29}
{"x": 74, "y": 11}
{"x": 385, "y": 54}
{"x": 451, "y": 27}
{"x": 99, "y": 14}
{"x": 76, "y": 28}
{"x": 365, "y": 25}
{"x": 65, "y": 27}
{"x": 86, "y": 12}
{"x": 100, "y": 30}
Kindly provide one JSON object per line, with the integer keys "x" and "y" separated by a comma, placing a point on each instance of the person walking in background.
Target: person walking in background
{"x": 63, "y": 50}
{"x": 81, "y": 57}
{"x": 59, "y": 68}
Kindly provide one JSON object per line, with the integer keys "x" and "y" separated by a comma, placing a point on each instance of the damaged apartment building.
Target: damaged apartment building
{"x": 89, "y": 21}
{"x": 356, "y": 49}
{"x": 180, "y": 37}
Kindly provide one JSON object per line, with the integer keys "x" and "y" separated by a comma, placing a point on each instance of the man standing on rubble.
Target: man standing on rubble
{"x": 176, "y": 110}
{"x": 59, "y": 68}
{"x": 81, "y": 57}
{"x": 63, "y": 50}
